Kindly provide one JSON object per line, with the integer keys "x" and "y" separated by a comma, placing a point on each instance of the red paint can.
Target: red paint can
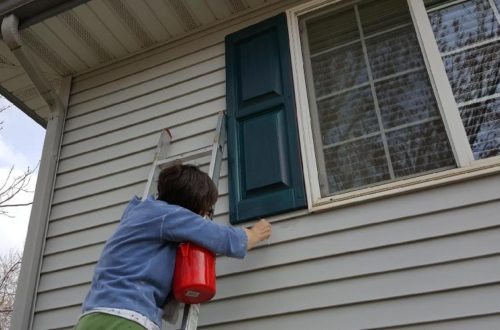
{"x": 194, "y": 275}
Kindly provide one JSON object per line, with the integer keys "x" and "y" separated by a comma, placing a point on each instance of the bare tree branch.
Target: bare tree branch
{"x": 4, "y": 184}
{"x": 10, "y": 265}
{"x": 3, "y": 107}
{"x": 16, "y": 205}
{"x": 11, "y": 186}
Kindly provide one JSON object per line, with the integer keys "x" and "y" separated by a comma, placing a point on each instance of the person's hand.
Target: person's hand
{"x": 259, "y": 232}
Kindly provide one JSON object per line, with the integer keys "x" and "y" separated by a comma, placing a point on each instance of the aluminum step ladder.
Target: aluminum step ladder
{"x": 162, "y": 160}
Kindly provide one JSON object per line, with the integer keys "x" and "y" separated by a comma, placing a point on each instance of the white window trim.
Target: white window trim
{"x": 467, "y": 167}
{"x": 437, "y": 75}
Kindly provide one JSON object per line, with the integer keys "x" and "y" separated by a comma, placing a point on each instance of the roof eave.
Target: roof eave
{"x": 30, "y": 12}
{"x": 22, "y": 106}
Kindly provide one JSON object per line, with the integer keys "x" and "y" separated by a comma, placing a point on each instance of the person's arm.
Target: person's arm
{"x": 184, "y": 225}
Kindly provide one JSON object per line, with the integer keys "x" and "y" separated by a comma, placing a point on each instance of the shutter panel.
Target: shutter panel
{"x": 265, "y": 171}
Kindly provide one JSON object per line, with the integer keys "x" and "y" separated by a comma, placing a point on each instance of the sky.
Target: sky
{"x": 21, "y": 142}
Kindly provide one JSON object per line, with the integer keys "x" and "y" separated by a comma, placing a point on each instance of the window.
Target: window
{"x": 394, "y": 91}
{"x": 467, "y": 34}
{"x": 375, "y": 117}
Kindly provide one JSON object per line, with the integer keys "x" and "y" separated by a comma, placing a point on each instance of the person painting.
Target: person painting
{"x": 133, "y": 277}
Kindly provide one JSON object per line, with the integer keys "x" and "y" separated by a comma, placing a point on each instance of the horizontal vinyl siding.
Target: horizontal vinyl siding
{"x": 483, "y": 322}
{"x": 384, "y": 313}
{"x": 409, "y": 258}
{"x": 424, "y": 260}
{"x": 337, "y": 266}
{"x": 149, "y": 80}
{"x": 357, "y": 261}
{"x": 108, "y": 145}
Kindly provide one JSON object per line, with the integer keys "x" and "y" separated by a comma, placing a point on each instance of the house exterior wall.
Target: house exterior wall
{"x": 425, "y": 259}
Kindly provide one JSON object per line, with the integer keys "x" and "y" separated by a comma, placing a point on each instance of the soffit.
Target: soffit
{"x": 102, "y": 31}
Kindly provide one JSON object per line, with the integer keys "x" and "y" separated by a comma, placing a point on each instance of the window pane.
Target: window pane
{"x": 394, "y": 52}
{"x": 339, "y": 69}
{"x": 419, "y": 148}
{"x": 379, "y": 15}
{"x": 339, "y": 123}
{"x": 323, "y": 32}
{"x": 468, "y": 35}
{"x": 356, "y": 164}
{"x": 482, "y": 124}
{"x": 375, "y": 118}
{"x": 433, "y": 3}
{"x": 463, "y": 24}
{"x": 474, "y": 73}
{"x": 406, "y": 99}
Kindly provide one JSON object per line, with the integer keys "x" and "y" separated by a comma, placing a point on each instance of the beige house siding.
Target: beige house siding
{"x": 425, "y": 259}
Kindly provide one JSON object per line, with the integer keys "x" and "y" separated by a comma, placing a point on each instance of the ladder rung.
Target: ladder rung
{"x": 185, "y": 157}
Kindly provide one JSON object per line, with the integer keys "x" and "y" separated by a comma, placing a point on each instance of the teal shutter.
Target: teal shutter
{"x": 265, "y": 173}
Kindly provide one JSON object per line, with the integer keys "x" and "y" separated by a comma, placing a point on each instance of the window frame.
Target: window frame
{"x": 467, "y": 166}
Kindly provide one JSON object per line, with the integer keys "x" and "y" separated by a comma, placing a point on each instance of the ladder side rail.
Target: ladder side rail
{"x": 190, "y": 317}
{"x": 153, "y": 177}
{"x": 217, "y": 149}
{"x": 160, "y": 153}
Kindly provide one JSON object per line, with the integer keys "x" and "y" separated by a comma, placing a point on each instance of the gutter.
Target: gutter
{"x": 30, "y": 12}
{"x": 10, "y": 5}
{"x": 25, "y": 300}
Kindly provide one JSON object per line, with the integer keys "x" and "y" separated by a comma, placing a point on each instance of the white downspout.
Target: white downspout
{"x": 25, "y": 300}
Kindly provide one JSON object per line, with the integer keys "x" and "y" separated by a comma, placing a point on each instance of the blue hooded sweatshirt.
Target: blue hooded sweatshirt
{"x": 136, "y": 267}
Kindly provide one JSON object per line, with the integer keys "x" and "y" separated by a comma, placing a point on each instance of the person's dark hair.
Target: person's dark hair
{"x": 187, "y": 186}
